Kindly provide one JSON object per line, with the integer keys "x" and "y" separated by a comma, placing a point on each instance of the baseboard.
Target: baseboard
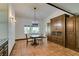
{"x": 20, "y": 39}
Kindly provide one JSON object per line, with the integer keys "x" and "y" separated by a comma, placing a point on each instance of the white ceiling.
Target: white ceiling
{"x": 43, "y": 10}
{"x": 71, "y": 7}
{"x": 27, "y": 11}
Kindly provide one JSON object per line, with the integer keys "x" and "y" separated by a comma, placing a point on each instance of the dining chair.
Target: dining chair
{"x": 40, "y": 40}
{"x": 28, "y": 39}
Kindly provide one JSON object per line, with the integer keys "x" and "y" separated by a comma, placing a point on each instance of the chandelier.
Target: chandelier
{"x": 35, "y": 19}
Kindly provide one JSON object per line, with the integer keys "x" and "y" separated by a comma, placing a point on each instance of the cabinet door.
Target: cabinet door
{"x": 58, "y": 29}
{"x": 48, "y": 32}
{"x": 70, "y": 33}
{"x": 77, "y": 32}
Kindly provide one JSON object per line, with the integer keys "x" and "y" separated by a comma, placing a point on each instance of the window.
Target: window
{"x": 26, "y": 29}
{"x": 34, "y": 29}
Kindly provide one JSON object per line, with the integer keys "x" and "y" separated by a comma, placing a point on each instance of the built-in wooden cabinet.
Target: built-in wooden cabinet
{"x": 49, "y": 31}
{"x": 58, "y": 29}
{"x": 71, "y": 32}
{"x": 77, "y": 32}
{"x": 64, "y": 30}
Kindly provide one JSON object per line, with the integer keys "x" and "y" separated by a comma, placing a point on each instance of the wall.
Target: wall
{"x": 20, "y": 22}
{"x": 11, "y": 31}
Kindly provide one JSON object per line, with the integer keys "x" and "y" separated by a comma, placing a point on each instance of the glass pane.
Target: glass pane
{"x": 31, "y": 30}
{"x": 27, "y": 30}
{"x": 35, "y": 30}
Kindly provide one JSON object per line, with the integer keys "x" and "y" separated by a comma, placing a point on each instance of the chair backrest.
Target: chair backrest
{"x": 26, "y": 36}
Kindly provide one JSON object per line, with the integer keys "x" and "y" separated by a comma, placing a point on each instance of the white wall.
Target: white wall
{"x": 20, "y": 22}
{"x": 11, "y": 24}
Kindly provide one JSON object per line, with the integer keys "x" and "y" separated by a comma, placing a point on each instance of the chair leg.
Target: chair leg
{"x": 26, "y": 42}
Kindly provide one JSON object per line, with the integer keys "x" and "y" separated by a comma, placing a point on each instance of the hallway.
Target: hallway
{"x": 51, "y": 49}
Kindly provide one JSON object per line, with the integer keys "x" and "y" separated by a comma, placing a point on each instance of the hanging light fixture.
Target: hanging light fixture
{"x": 35, "y": 22}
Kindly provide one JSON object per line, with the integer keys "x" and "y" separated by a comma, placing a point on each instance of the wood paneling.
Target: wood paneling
{"x": 63, "y": 31}
{"x": 49, "y": 32}
{"x": 58, "y": 29}
{"x": 77, "y": 32}
{"x": 70, "y": 33}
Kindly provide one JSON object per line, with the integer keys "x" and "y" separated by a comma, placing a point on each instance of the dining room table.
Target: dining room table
{"x": 35, "y": 38}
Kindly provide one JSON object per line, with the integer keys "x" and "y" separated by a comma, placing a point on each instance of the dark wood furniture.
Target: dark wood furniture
{"x": 77, "y": 32}
{"x": 28, "y": 39}
{"x": 64, "y": 31}
{"x": 35, "y": 40}
{"x": 40, "y": 40}
{"x": 4, "y": 49}
{"x": 58, "y": 29}
{"x": 36, "y": 37}
{"x": 71, "y": 32}
{"x": 49, "y": 31}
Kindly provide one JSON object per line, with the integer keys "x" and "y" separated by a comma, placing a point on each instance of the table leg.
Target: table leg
{"x": 34, "y": 43}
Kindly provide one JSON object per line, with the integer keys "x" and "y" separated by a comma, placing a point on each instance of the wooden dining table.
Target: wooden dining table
{"x": 35, "y": 39}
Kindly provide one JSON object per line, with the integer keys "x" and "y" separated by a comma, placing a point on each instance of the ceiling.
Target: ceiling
{"x": 26, "y": 10}
{"x": 71, "y": 7}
